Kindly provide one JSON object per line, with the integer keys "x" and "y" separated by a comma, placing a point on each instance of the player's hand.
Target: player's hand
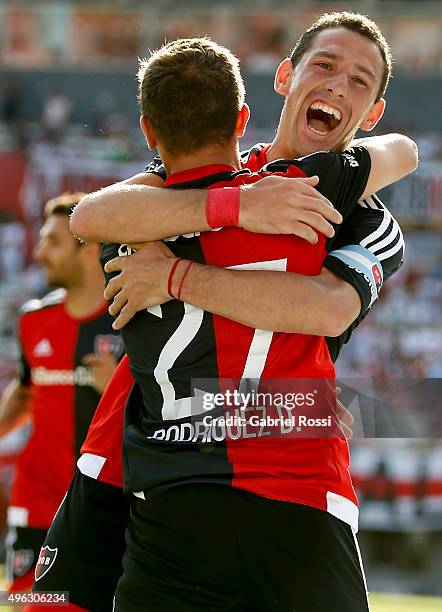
{"x": 345, "y": 417}
{"x": 102, "y": 367}
{"x": 279, "y": 205}
{"x": 142, "y": 281}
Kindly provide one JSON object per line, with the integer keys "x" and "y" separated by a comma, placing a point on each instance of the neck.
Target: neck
{"x": 206, "y": 156}
{"x": 281, "y": 149}
{"x": 85, "y": 297}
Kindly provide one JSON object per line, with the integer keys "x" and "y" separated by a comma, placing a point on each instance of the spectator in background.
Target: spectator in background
{"x": 12, "y": 246}
{"x": 267, "y": 45}
{"x": 11, "y": 111}
{"x": 57, "y": 110}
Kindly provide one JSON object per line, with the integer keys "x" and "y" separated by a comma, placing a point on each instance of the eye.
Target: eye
{"x": 359, "y": 81}
{"x": 324, "y": 65}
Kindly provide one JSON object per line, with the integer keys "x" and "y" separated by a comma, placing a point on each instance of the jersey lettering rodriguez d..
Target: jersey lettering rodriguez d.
{"x": 173, "y": 344}
{"x": 63, "y": 401}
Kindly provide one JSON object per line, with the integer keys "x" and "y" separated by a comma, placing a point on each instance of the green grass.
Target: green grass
{"x": 405, "y": 603}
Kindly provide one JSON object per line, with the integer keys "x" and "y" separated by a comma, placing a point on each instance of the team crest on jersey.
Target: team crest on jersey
{"x": 22, "y": 561}
{"x": 108, "y": 343}
{"x": 45, "y": 561}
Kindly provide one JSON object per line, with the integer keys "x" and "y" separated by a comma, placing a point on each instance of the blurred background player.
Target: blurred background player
{"x": 68, "y": 354}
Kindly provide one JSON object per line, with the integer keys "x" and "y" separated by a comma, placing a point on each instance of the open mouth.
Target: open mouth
{"x": 322, "y": 118}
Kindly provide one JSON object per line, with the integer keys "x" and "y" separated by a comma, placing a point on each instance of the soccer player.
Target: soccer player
{"x": 68, "y": 354}
{"x": 375, "y": 220}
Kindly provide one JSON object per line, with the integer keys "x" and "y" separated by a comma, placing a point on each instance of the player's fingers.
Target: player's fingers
{"x": 348, "y": 432}
{"x": 343, "y": 413}
{"x": 113, "y": 287}
{"x": 317, "y": 222}
{"x": 114, "y": 265}
{"x": 309, "y": 189}
{"x": 124, "y": 317}
{"x": 91, "y": 360}
{"x": 310, "y": 180}
{"x": 118, "y": 303}
{"x": 315, "y": 204}
{"x": 304, "y": 231}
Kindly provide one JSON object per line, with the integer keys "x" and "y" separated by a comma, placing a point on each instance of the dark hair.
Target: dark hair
{"x": 351, "y": 21}
{"x": 191, "y": 91}
{"x": 62, "y": 204}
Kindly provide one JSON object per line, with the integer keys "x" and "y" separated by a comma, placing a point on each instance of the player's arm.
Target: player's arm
{"x": 14, "y": 404}
{"x": 262, "y": 299}
{"x": 277, "y": 301}
{"x": 322, "y": 305}
{"x": 393, "y": 156}
{"x": 142, "y": 211}
{"x": 367, "y": 251}
{"x": 326, "y": 304}
{"x": 15, "y": 401}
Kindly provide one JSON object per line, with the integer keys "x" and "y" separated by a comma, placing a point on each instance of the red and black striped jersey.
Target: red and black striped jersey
{"x": 63, "y": 401}
{"x": 170, "y": 346}
{"x": 370, "y": 224}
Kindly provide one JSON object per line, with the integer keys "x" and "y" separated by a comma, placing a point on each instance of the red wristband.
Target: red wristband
{"x": 222, "y": 207}
{"x": 184, "y": 276}
{"x": 170, "y": 279}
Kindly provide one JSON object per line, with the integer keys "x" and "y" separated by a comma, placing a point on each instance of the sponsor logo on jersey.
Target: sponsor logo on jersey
{"x": 45, "y": 561}
{"x": 22, "y": 561}
{"x": 81, "y": 376}
{"x": 351, "y": 160}
{"x": 43, "y": 349}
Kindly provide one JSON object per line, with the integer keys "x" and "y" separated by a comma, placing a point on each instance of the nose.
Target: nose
{"x": 337, "y": 85}
{"x": 38, "y": 252}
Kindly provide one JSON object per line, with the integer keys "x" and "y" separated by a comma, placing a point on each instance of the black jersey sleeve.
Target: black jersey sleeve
{"x": 366, "y": 252}
{"x": 23, "y": 367}
{"x": 342, "y": 176}
{"x": 110, "y": 250}
{"x": 156, "y": 166}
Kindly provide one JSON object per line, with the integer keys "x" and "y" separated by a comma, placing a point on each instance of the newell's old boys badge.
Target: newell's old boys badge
{"x": 45, "y": 561}
{"x": 108, "y": 343}
{"x": 22, "y": 561}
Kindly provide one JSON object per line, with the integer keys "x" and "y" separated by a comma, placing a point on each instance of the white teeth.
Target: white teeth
{"x": 327, "y": 109}
{"x": 316, "y": 131}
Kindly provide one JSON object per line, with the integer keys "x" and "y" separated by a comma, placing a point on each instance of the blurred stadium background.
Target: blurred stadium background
{"x": 68, "y": 120}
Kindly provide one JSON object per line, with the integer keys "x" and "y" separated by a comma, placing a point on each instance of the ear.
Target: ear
{"x": 241, "y": 122}
{"x": 148, "y": 132}
{"x": 90, "y": 250}
{"x": 374, "y": 116}
{"x": 283, "y": 77}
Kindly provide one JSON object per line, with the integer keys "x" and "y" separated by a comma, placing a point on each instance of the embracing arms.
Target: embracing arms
{"x": 141, "y": 211}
